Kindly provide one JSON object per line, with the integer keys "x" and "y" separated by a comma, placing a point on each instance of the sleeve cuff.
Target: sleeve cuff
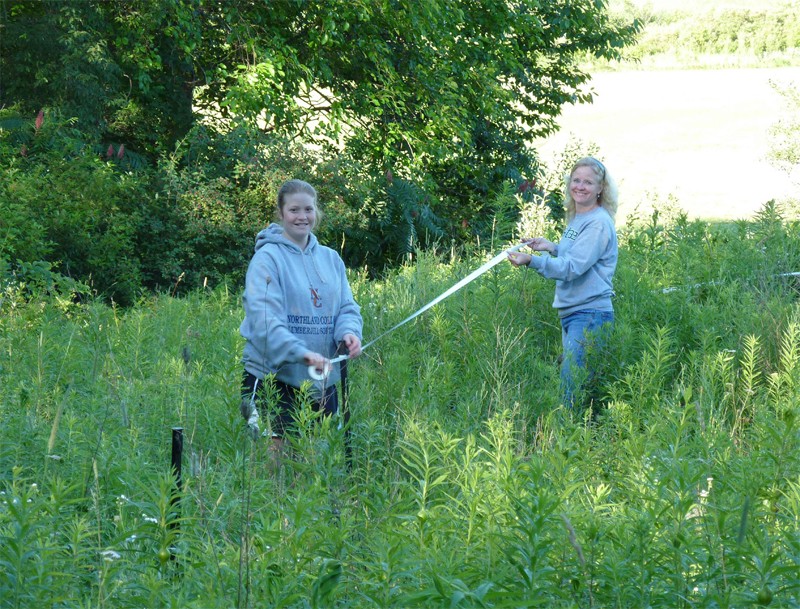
{"x": 538, "y": 262}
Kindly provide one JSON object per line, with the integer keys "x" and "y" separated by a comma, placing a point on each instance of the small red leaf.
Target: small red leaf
{"x": 110, "y": 151}
{"x": 121, "y": 151}
{"x": 39, "y": 120}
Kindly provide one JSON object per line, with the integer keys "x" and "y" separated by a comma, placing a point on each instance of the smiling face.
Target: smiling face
{"x": 298, "y": 216}
{"x": 585, "y": 187}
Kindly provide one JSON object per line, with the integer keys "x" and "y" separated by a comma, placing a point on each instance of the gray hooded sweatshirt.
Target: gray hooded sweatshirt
{"x": 295, "y": 301}
{"x": 584, "y": 265}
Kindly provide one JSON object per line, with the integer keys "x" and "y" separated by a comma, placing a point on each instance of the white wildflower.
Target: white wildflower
{"x": 109, "y": 555}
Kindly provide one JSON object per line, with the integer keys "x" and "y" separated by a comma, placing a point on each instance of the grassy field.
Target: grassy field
{"x": 470, "y": 487}
{"x": 698, "y": 136}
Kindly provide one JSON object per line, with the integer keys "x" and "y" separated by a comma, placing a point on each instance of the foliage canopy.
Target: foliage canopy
{"x": 400, "y": 82}
{"x": 434, "y": 99}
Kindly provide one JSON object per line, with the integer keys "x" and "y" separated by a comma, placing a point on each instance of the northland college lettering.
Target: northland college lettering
{"x": 315, "y": 320}
{"x": 310, "y": 324}
{"x": 310, "y": 330}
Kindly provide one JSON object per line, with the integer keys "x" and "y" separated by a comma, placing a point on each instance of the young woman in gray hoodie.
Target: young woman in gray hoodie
{"x": 299, "y": 309}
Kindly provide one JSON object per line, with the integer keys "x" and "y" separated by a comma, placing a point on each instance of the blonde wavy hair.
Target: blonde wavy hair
{"x": 608, "y": 194}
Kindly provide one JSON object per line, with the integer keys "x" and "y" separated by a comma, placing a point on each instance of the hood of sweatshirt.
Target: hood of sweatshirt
{"x": 273, "y": 234}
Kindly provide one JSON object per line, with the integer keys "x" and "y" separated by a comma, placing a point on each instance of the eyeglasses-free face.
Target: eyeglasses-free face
{"x": 298, "y": 217}
{"x": 585, "y": 188}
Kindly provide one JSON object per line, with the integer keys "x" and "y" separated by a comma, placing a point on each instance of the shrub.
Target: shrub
{"x": 64, "y": 205}
{"x": 784, "y": 150}
{"x": 210, "y": 200}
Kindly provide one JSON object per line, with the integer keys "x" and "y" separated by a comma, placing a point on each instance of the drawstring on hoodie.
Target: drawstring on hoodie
{"x": 316, "y": 268}
{"x": 311, "y": 255}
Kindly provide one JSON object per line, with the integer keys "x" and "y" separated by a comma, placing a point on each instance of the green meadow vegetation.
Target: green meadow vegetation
{"x": 469, "y": 485}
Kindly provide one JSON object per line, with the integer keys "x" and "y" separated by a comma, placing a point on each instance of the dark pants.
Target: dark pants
{"x": 285, "y": 399}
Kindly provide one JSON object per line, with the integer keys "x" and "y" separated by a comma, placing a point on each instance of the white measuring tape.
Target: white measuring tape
{"x": 672, "y": 289}
{"x": 319, "y": 375}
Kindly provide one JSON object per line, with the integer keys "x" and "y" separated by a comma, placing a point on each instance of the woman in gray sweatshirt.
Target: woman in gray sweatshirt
{"x": 583, "y": 264}
{"x": 298, "y": 309}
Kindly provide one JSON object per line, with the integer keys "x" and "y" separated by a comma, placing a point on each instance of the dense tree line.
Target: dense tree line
{"x": 140, "y": 142}
{"x": 764, "y": 33}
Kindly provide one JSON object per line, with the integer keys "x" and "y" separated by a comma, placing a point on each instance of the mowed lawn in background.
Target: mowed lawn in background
{"x": 699, "y": 135}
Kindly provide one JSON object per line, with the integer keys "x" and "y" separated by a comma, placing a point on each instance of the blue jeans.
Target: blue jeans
{"x": 582, "y": 333}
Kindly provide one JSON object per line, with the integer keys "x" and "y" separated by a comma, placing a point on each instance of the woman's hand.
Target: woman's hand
{"x": 519, "y": 259}
{"x": 319, "y": 362}
{"x": 353, "y": 344}
{"x": 540, "y": 244}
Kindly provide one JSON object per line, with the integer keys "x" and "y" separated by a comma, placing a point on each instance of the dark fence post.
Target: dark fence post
{"x": 177, "y": 457}
{"x": 177, "y": 461}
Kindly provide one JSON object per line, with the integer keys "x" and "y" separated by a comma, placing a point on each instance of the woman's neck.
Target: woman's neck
{"x": 302, "y": 246}
{"x": 585, "y": 210}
